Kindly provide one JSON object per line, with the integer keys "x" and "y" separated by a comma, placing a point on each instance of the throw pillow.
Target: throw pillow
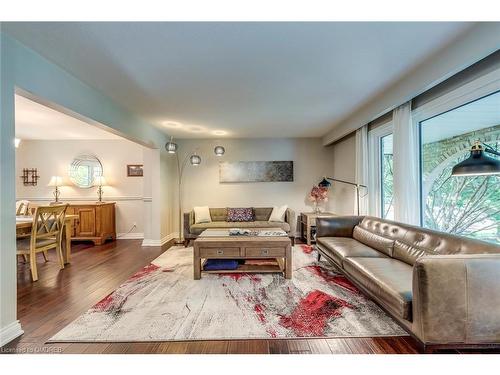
{"x": 202, "y": 215}
{"x": 240, "y": 214}
{"x": 278, "y": 214}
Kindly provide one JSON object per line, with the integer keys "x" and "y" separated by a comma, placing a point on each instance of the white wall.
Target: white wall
{"x": 344, "y": 168}
{"x": 54, "y": 157}
{"x": 201, "y": 184}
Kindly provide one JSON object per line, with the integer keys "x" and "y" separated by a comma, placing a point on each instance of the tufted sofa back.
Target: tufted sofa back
{"x": 408, "y": 243}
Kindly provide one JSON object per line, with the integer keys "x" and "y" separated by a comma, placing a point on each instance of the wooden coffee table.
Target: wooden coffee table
{"x": 217, "y": 244}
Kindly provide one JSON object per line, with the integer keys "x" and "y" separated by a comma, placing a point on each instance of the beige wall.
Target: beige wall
{"x": 201, "y": 184}
{"x": 344, "y": 168}
{"x": 54, "y": 157}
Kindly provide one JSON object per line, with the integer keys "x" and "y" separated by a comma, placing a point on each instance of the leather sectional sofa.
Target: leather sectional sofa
{"x": 219, "y": 221}
{"x": 443, "y": 289}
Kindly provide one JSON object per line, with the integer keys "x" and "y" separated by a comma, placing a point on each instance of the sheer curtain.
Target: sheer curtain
{"x": 406, "y": 153}
{"x": 362, "y": 168}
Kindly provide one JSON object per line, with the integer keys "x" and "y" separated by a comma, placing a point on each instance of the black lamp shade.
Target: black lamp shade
{"x": 477, "y": 164}
{"x": 324, "y": 183}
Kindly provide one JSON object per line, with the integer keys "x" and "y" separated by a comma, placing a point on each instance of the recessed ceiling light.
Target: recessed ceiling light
{"x": 172, "y": 124}
{"x": 195, "y": 128}
{"x": 219, "y": 132}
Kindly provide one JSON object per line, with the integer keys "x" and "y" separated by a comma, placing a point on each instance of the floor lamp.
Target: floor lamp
{"x": 195, "y": 160}
{"x": 326, "y": 183}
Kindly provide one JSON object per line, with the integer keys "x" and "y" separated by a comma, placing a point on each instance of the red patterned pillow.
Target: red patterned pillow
{"x": 240, "y": 214}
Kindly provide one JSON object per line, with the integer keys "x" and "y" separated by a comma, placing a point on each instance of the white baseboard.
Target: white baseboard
{"x": 10, "y": 332}
{"x": 130, "y": 236}
{"x": 163, "y": 241}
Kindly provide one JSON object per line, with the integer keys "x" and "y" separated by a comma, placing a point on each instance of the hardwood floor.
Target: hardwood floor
{"x": 59, "y": 297}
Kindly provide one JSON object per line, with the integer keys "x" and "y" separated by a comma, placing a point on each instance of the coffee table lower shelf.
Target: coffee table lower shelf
{"x": 279, "y": 267}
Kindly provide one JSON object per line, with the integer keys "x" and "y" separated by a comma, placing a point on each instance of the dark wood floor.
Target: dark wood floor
{"x": 59, "y": 297}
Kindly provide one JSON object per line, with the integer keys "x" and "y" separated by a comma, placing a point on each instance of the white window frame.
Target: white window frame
{"x": 374, "y": 180}
{"x": 469, "y": 92}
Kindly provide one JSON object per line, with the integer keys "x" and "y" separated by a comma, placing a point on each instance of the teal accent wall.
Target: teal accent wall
{"x": 22, "y": 68}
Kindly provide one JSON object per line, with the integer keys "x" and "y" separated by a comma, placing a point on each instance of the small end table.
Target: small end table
{"x": 308, "y": 224}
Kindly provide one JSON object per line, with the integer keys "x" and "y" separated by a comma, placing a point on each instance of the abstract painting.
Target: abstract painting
{"x": 256, "y": 171}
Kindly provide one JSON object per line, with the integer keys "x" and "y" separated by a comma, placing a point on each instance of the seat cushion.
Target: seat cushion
{"x": 24, "y": 243}
{"x": 388, "y": 280}
{"x": 340, "y": 248}
{"x": 198, "y": 228}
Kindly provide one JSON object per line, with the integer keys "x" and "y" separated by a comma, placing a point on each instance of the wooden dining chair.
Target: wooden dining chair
{"x": 22, "y": 207}
{"x": 46, "y": 234}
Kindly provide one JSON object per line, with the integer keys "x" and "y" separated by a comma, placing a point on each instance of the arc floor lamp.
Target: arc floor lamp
{"x": 325, "y": 182}
{"x": 195, "y": 160}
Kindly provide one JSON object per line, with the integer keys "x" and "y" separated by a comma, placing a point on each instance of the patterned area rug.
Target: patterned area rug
{"x": 162, "y": 302}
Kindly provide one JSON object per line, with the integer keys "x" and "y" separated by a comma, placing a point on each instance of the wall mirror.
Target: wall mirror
{"x": 84, "y": 169}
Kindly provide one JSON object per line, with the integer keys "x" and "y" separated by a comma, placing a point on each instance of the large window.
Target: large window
{"x": 468, "y": 206}
{"x": 380, "y": 189}
{"x": 386, "y": 177}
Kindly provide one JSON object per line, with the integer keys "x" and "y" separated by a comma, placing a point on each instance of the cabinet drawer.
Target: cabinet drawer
{"x": 221, "y": 252}
{"x": 265, "y": 251}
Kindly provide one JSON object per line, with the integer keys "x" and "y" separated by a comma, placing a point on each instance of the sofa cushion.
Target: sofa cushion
{"x": 240, "y": 214}
{"x": 408, "y": 253}
{"x": 202, "y": 215}
{"x": 198, "y": 228}
{"x": 339, "y": 248}
{"x": 388, "y": 280}
{"x": 218, "y": 214}
{"x": 380, "y": 243}
{"x": 262, "y": 213}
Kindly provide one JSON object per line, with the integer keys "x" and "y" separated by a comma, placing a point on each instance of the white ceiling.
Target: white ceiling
{"x": 36, "y": 121}
{"x": 480, "y": 114}
{"x": 245, "y": 79}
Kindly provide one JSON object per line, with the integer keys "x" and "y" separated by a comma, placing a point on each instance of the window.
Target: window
{"x": 386, "y": 177}
{"x": 468, "y": 206}
{"x": 380, "y": 187}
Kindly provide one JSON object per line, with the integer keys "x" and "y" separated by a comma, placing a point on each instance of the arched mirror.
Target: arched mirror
{"x": 84, "y": 169}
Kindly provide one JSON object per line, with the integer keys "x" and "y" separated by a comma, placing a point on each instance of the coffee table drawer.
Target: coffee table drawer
{"x": 222, "y": 252}
{"x": 264, "y": 251}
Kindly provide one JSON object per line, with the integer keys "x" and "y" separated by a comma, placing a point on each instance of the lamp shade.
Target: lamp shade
{"x": 324, "y": 183}
{"x": 477, "y": 164}
{"x": 55, "y": 181}
{"x": 219, "y": 150}
{"x": 195, "y": 160}
{"x": 100, "y": 181}
{"x": 171, "y": 146}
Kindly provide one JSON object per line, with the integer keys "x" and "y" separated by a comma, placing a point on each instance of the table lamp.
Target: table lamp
{"x": 99, "y": 181}
{"x": 56, "y": 181}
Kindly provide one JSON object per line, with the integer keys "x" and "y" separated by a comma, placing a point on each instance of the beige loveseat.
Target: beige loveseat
{"x": 443, "y": 289}
{"x": 219, "y": 221}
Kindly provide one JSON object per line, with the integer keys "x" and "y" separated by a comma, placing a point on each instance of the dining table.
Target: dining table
{"x": 25, "y": 223}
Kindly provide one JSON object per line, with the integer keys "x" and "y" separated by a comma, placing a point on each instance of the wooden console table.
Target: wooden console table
{"x": 308, "y": 224}
{"x": 244, "y": 247}
{"x": 95, "y": 221}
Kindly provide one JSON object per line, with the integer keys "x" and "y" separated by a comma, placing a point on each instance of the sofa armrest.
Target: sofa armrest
{"x": 188, "y": 221}
{"x": 340, "y": 226}
{"x": 456, "y": 299}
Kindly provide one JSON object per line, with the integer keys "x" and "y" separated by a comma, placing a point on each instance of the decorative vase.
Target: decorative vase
{"x": 317, "y": 210}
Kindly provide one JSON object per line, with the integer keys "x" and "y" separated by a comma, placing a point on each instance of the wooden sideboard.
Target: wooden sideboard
{"x": 96, "y": 221}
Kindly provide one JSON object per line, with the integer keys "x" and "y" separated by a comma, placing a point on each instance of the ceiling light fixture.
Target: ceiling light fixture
{"x": 195, "y": 128}
{"x": 219, "y": 132}
{"x": 172, "y": 124}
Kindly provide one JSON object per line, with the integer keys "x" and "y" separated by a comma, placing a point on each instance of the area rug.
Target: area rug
{"x": 162, "y": 302}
